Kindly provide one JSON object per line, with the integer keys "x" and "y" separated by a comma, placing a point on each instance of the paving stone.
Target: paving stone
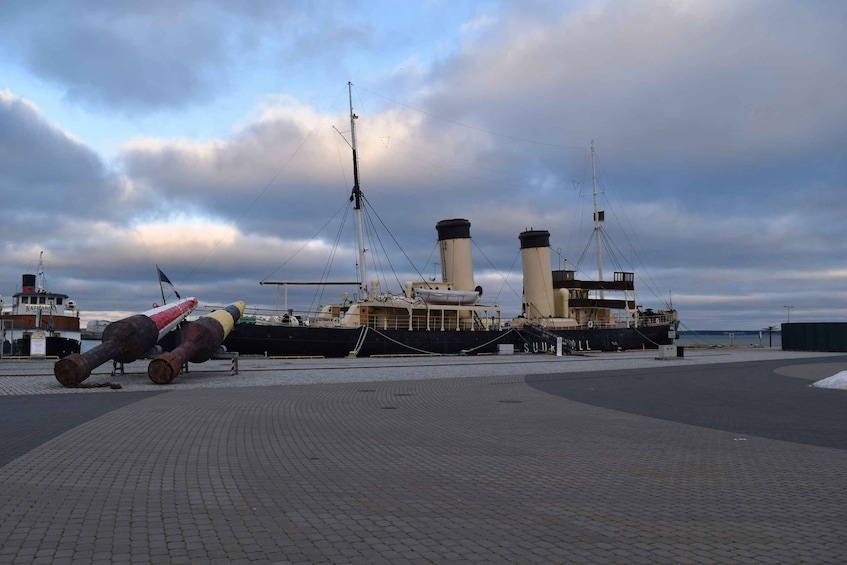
{"x": 284, "y": 472}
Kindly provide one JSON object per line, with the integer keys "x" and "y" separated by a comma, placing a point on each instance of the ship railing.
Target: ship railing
{"x": 478, "y": 322}
{"x": 623, "y": 322}
{"x": 278, "y": 316}
{"x": 596, "y": 324}
{"x": 656, "y": 320}
{"x": 268, "y": 316}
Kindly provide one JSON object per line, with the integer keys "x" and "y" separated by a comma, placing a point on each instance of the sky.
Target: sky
{"x": 212, "y": 138}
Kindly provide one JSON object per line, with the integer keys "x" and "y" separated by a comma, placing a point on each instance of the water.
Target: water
{"x": 726, "y": 338}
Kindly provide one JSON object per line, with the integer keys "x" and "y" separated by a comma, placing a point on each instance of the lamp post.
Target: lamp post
{"x": 789, "y": 312}
{"x": 770, "y": 335}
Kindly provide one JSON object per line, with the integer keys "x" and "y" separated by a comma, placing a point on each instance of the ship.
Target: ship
{"x": 560, "y": 313}
{"x": 39, "y": 323}
{"x": 584, "y": 311}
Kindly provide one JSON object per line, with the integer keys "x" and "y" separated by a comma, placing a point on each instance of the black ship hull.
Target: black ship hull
{"x": 55, "y": 347}
{"x": 307, "y": 341}
{"x": 618, "y": 339}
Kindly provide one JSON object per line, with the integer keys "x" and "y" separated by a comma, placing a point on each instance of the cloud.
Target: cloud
{"x": 43, "y": 170}
{"x": 153, "y": 56}
{"x": 699, "y": 84}
{"x": 718, "y": 126}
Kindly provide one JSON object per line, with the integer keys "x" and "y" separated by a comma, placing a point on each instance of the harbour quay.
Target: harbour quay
{"x": 720, "y": 456}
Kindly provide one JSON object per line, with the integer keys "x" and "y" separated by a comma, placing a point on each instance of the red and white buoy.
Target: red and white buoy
{"x": 124, "y": 341}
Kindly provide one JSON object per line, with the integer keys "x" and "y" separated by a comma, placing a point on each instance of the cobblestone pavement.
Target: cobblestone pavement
{"x": 25, "y": 377}
{"x": 417, "y": 469}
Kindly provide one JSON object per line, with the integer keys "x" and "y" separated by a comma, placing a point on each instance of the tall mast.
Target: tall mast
{"x": 598, "y": 219}
{"x": 41, "y": 287}
{"x": 356, "y": 198}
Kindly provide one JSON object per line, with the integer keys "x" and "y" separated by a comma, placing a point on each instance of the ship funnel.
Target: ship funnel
{"x": 28, "y": 283}
{"x": 537, "y": 273}
{"x": 454, "y": 239}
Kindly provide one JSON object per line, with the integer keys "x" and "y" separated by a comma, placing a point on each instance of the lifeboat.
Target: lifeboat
{"x": 448, "y": 297}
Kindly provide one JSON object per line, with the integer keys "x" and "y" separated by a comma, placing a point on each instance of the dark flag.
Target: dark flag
{"x": 163, "y": 278}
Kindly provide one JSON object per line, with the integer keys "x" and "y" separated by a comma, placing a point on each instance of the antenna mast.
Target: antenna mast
{"x": 598, "y": 218}
{"x": 42, "y": 287}
{"x": 356, "y": 198}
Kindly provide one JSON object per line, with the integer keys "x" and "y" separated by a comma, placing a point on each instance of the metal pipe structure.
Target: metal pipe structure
{"x": 199, "y": 340}
{"x": 124, "y": 341}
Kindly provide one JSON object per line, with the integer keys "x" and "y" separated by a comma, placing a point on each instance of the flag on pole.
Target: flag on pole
{"x": 163, "y": 278}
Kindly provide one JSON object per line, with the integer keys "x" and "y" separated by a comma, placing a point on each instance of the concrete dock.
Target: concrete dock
{"x": 720, "y": 456}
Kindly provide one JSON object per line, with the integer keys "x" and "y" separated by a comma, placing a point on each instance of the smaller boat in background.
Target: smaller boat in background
{"x": 39, "y": 323}
{"x": 94, "y": 329}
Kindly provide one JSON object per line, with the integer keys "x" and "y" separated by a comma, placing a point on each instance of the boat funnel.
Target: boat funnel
{"x": 454, "y": 239}
{"x": 28, "y": 283}
{"x": 537, "y": 273}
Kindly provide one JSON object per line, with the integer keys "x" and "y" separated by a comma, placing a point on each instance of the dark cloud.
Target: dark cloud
{"x": 43, "y": 171}
{"x": 698, "y": 84}
{"x": 154, "y": 56}
{"x": 104, "y": 67}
